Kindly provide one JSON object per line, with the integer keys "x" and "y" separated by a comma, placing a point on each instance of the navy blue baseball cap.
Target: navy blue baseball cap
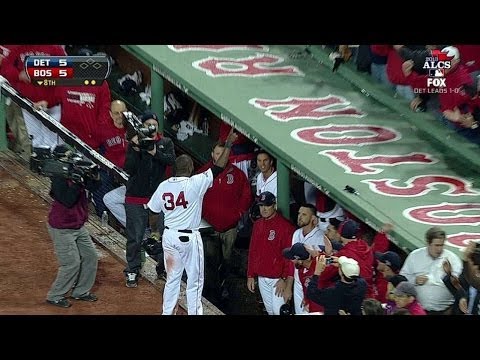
{"x": 266, "y": 198}
{"x": 348, "y": 229}
{"x": 149, "y": 115}
{"x": 391, "y": 259}
{"x": 296, "y": 252}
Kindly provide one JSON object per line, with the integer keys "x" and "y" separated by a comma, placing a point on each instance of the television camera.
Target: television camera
{"x": 144, "y": 133}
{"x": 63, "y": 161}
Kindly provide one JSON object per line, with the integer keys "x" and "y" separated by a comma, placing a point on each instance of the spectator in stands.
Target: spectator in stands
{"x": 369, "y": 307}
{"x": 471, "y": 273}
{"x": 396, "y": 75}
{"x": 460, "y": 104}
{"x": 346, "y": 294}
{"x": 13, "y": 69}
{"x": 414, "y": 57}
{"x": 458, "y": 287}
{"x": 111, "y": 137}
{"x": 308, "y": 234}
{"x": 304, "y": 264}
{"x": 146, "y": 168}
{"x": 14, "y": 117}
{"x": 271, "y": 234}
{"x": 388, "y": 265}
{"x": 379, "y": 63}
{"x": 372, "y": 307}
{"x": 356, "y": 249}
{"x": 393, "y": 281}
{"x": 364, "y": 59}
{"x": 470, "y": 58}
{"x": 406, "y": 297}
{"x": 423, "y": 267}
{"x": 223, "y": 206}
{"x": 417, "y": 54}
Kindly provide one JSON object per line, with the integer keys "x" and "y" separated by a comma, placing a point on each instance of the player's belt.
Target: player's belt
{"x": 182, "y": 231}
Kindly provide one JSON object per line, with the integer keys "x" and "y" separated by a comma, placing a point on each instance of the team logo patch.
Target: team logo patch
{"x": 271, "y": 236}
{"x": 229, "y": 179}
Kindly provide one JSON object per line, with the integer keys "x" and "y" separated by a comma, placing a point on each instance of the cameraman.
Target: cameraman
{"x": 146, "y": 162}
{"x": 74, "y": 248}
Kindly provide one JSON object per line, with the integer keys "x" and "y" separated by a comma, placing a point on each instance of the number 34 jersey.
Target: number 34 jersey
{"x": 180, "y": 199}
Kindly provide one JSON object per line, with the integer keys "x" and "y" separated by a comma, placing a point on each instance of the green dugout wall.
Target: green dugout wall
{"x": 333, "y": 129}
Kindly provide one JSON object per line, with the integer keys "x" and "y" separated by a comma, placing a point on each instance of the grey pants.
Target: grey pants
{"x": 77, "y": 259}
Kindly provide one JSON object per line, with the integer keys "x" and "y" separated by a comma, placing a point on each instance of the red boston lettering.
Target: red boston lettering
{"x": 361, "y": 165}
{"x": 445, "y": 214}
{"x": 345, "y": 135}
{"x": 252, "y": 66}
{"x": 307, "y": 108}
{"x": 421, "y": 185}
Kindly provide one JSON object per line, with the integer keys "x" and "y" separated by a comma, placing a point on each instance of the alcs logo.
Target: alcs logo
{"x": 436, "y": 65}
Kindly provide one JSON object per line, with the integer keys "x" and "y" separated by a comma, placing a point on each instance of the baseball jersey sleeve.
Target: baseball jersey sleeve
{"x": 203, "y": 181}
{"x": 155, "y": 203}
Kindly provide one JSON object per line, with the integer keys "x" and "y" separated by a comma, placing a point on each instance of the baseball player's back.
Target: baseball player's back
{"x": 181, "y": 198}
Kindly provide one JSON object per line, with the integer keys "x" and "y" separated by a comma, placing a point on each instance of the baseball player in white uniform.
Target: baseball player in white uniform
{"x": 180, "y": 198}
{"x": 267, "y": 178}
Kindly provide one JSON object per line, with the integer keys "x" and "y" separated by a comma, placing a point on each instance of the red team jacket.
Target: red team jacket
{"x": 357, "y": 250}
{"x": 115, "y": 143}
{"x": 84, "y": 110}
{"x": 269, "y": 238}
{"x": 229, "y": 197}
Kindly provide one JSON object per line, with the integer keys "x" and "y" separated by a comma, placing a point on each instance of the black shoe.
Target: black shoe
{"x": 64, "y": 303}
{"x": 86, "y": 297}
{"x": 132, "y": 280}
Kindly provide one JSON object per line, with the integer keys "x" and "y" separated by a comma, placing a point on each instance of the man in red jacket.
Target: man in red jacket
{"x": 223, "y": 205}
{"x": 271, "y": 234}
{"x": 354, "y": 248}
{"x": 112, "y": 137}
{"x": 85, "y": 109}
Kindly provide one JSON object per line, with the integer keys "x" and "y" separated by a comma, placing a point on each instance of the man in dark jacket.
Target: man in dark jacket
{"x": 347, "y": 294}
{"x": 146, "y": 167}
{"x": 74, "y": 248}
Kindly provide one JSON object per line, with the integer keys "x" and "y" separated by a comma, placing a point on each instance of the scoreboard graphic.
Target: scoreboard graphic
{"x": 68, "y": 70}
